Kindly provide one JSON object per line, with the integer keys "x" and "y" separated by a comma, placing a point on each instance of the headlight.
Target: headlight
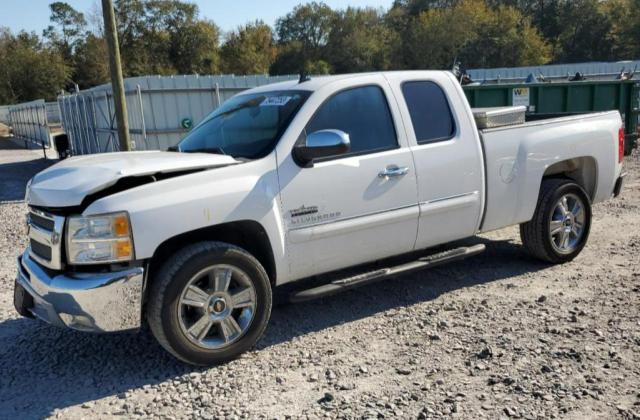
{"x": 99, "y": 239}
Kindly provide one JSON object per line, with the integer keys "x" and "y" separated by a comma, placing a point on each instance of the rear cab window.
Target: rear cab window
{"x": 361, "y": 112}
{"x": 430, "y": 112}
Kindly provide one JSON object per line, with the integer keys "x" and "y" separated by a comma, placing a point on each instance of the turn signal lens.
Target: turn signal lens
{"x": 123, "y": 249}
{"x": 120, "y": 225}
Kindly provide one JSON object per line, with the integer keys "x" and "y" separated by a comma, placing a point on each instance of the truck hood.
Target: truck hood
{"x": 68, "y": 182}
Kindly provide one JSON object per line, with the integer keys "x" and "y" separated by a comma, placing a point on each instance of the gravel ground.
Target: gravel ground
{"x": 498, "y": 335}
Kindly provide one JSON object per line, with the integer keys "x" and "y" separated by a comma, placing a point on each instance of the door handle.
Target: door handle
{"x": 393, "y": 171}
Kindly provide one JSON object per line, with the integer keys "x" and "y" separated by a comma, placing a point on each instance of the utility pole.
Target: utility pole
{"x": 115, "y": 68}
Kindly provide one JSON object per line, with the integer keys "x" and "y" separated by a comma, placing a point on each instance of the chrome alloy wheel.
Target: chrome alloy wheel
{"x": 217, "y": 306}
{"x": 566, "y": 227}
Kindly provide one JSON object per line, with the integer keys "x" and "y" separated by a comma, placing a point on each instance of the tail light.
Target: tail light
{"x": 620, "y": 145}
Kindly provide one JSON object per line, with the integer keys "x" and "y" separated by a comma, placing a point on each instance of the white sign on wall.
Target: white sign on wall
{"x": 520, "y": 97}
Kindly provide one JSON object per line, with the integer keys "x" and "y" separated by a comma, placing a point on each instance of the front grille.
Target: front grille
{"x": 42, "y": 222}
{"x": 40, "y": 250}
{"x": 45, "y": 238}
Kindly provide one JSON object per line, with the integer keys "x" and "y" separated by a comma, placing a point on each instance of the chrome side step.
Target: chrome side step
{"x": 358, "y": 280}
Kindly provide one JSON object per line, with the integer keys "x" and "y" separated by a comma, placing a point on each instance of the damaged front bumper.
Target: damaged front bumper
{"x": 95, "y": 302}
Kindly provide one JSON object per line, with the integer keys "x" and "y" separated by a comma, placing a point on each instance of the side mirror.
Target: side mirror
{"x": 321, "y": 144}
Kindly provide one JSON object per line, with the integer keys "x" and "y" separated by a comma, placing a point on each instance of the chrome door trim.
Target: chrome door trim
{"x": 437, "y": 200}
{"x": 448, "y": 203}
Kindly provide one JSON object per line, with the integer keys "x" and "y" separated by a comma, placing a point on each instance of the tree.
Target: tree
{"x": 91, "y": 67}
{"x": 68, "y": 30}
{"x": 293, "y": 59}
{"x": 359, "y": 41}
{"x": 506, "y": 38}
{"x": 165, "y": 37}
{"x": 585, "y": 32}
{"x": 476, "y": 35}
{"x": 250, "y": 49}
{"x": 194, "y": 48}
{"x": 624, "y": 34}
{"x": 303, "y": 35}
{"x": 30, "y": 70}
{"x": 579, "y": 30}
{"x": 169, "y": 37}
{"x": 436, "y": 37}
{"x": 309, "y": 24}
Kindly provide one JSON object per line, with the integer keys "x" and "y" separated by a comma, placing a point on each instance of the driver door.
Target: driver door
{"x": 354, "y": 207}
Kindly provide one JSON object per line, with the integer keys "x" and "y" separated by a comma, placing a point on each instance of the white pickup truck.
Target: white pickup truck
{"x": 300, "y": 179}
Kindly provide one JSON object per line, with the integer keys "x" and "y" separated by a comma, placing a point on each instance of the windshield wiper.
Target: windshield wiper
{"x": 214, "y": 150}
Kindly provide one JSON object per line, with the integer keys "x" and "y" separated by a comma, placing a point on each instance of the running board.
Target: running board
{"x": 348, "y": 283}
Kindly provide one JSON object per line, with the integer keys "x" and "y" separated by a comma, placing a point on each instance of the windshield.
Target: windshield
{"x": 245, "y": 126}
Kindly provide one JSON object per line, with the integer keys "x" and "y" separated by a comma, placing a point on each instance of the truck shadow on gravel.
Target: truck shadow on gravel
{"x": 14, "y": 177}
{"x": 44, "y": 368}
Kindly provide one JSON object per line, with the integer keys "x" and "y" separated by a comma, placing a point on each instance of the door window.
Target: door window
{"x": 361, "y": 112}
{"x": 430, "y": 113}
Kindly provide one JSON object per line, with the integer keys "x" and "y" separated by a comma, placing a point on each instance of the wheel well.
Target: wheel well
{"x": 246, "y": 234}
{"x": 582, "y": 170}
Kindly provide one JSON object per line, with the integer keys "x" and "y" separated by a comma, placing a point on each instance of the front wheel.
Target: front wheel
{"x": 210, "y": 302}
{"x": 560, "y": 226}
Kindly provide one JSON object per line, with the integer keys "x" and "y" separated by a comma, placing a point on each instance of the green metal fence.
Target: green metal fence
{"x": 557, "y": 99}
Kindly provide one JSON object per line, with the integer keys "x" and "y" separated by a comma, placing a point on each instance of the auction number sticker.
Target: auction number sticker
{"x": 276, "y": 101}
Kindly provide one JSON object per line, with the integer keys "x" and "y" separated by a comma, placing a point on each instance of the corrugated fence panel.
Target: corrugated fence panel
{"x": 29, "y": 121}
{"x": 53, "y": 113}
{"x": 4, "y": 114}
{"x": 161, "y": 109}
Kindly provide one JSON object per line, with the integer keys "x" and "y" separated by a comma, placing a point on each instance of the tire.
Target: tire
{"x": 537, "y": 234}
{"x": 235, "y": 320}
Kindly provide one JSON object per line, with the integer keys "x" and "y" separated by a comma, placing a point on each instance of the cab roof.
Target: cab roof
{"x": 316, "y": 82}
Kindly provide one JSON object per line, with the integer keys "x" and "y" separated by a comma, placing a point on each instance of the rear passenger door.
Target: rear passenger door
{"x": 341, "y": 212}
{"x": 447, "y": 154}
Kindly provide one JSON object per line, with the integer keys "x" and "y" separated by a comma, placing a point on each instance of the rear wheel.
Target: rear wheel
{"x": 210, "y": 303}
{"x": 560, "y": 226}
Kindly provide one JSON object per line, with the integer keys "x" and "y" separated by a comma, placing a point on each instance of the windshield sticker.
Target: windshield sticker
{"x": 276, "y": 101}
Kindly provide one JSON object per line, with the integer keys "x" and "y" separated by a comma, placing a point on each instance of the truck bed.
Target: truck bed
{"x": 518, "y": 156}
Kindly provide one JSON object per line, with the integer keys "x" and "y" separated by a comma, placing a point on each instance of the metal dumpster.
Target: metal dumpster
{"x": 546, "y": 100}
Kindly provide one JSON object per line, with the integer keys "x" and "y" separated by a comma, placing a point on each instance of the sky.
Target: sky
{"x": 33, "y": 15}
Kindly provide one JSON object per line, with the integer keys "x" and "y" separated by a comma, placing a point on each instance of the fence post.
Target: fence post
{"x": 144, "y": 126}
{"x": 95, "y": 122}
{"x": 21, "y": 117}
{"x": 41, "y": 126}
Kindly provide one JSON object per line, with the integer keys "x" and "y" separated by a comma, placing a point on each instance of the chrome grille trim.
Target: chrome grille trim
{"x": 49, "y": 238}
{"x": 44, "y": 223}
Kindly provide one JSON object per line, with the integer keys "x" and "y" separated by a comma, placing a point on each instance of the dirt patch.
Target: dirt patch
{"x": 498, "y": 335}
{"x": 5, "y": 131}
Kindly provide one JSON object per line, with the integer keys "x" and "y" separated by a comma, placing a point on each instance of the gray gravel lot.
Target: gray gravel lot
{"x": 499, "y": 335}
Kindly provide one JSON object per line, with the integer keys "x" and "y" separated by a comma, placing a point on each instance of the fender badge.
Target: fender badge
{"x": 303, "y": 211}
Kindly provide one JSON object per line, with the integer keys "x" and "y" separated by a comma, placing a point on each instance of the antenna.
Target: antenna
{"x": 304, "y": 77}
